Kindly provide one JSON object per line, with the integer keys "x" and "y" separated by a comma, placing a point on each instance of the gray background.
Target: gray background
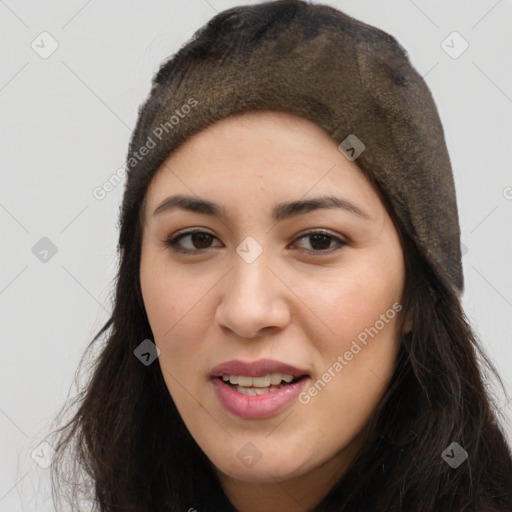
{"x": 66, "y": 122}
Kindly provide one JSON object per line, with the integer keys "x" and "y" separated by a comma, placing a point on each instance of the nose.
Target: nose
{"x": 254, "y": 299}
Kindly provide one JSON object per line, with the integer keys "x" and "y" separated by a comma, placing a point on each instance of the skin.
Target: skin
{"x": 301, "y": 301}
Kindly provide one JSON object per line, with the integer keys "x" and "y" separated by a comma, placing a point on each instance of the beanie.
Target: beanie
{"x": 353, "y": 80}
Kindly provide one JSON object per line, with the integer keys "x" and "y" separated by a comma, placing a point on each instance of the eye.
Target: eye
{"x": 321, "y": 240}
{"x": 200, "y": 240}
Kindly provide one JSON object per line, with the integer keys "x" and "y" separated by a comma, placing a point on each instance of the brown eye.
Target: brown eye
{"x": 320, "y": 241}
{"x": 198, "y": 240}
{"x": 201, "y": 240}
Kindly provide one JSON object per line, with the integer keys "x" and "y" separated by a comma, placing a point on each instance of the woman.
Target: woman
{"x": 288, "y": 331}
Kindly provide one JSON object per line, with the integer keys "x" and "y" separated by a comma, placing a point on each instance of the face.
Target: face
{"x": 271, "y": 274}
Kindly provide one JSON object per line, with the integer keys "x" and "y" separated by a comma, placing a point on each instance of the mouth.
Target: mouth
{"x": 259, "y": 368}
{"x": 257, "y": 389}
{"x": 269, "y": 383}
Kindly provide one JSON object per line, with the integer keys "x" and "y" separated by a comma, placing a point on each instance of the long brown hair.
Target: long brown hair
{"x": 127, "y": 445}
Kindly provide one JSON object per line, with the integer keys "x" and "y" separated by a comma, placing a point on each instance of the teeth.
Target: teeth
{"x": 259, "y": 382}
{"x": 256, "y": 391}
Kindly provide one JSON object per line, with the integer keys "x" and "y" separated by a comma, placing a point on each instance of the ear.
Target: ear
{"x": 408, "y": 324}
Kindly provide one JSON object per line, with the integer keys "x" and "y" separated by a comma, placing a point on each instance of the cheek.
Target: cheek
{"x": 356, "y": 363}
{"x": 361, "y": 308}
{"x": 356, "y": 299}
{"x": 159, "y": 300}
{"x": 166, "y": 307}
{"x": 168, "y": 294}
{"x": 179, "y": 313}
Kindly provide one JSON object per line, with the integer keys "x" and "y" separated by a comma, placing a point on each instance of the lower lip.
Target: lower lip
{"x": 256, "y": 406}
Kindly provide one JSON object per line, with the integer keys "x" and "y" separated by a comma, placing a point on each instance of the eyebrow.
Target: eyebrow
{"x": 280, "y": 212}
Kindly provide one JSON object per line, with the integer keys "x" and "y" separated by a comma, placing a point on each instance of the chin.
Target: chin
{"x": 265, "y": 470}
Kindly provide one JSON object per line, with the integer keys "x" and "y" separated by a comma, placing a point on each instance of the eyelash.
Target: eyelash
{"x": 172, "y": 243}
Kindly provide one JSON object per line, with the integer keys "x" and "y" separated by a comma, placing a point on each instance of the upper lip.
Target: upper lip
{"x": 255, "y": 368}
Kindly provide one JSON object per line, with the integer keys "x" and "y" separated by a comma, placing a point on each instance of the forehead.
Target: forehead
{"x": 275, "y": 153}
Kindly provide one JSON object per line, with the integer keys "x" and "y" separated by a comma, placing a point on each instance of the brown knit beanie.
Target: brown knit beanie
{"x": 353, "y": 80}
